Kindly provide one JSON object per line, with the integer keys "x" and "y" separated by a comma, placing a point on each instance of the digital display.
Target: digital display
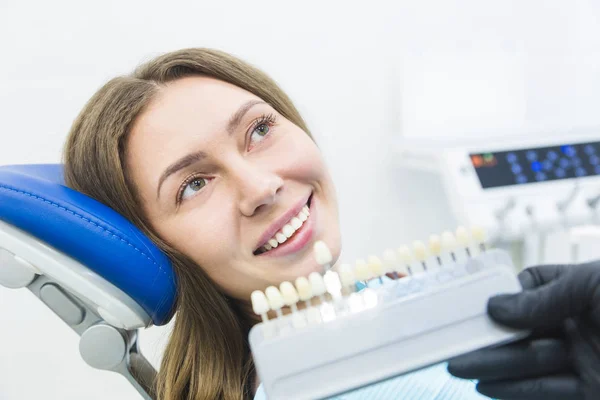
{"x": 540, "y": 164}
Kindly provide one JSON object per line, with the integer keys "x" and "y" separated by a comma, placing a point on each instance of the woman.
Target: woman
{"x": 211, "y": 160}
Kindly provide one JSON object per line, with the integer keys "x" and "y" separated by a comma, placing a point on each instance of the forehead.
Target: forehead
{"x": 192, "y": 99}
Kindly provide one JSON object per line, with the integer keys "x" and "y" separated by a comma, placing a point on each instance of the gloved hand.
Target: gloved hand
{"x": 561, "y": 358}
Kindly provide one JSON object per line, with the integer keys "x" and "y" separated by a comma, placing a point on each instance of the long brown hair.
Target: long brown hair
{"x": 207, "y": 356}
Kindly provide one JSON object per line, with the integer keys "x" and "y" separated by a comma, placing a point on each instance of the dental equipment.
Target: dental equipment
{"x": 527, "y": 192}
{"x": 88, "y": 264}
{"x": 403, "y": 325}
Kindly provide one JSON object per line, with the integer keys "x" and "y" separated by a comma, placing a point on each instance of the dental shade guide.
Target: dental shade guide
{"x": 354, "y": 339}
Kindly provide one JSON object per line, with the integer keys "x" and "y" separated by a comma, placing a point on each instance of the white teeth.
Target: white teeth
{"x": 296, "y": 223}
{"x": 287, "y": 230}
{"x": 281, "y": 238}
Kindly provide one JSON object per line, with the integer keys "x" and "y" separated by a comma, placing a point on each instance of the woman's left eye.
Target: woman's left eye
{"x": 259, "y": 133}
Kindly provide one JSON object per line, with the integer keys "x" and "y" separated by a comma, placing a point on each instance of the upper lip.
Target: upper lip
{"x": 281, "y": 221}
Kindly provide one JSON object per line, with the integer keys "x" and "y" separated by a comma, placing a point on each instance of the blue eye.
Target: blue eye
{"x": 191, "y": 187}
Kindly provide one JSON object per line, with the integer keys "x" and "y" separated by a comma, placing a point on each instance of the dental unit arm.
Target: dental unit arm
{"x": 89, "y": 265}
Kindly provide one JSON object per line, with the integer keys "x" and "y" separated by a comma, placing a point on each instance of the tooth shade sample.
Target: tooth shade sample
{"x": 405, "y": 255}
{"x": 289, "y": 293}
{"x": 273, "y": 243}
{"x": 420, "y": 250}
{"x": 389, "y": 260}
{"x": 260, "y": 304}
{"x": 317, "y": 284}
{"x": 448, "y": 241}
{"x": 361, "y": 270}
{"x": 332, "y": 282}
{"x": 322, "y": 253}
{"x": 274, "y": 297}
{"x": 462, "y": 236}
{"x": 478, "y": 234}
{"x": 304, "y": 289}
{"x": 375, "y": 266}
{"x": 435, "y": 245}
{"x": 347, "y": 275}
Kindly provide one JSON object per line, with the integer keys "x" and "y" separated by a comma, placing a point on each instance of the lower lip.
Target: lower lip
{"x": 300, "y": 239}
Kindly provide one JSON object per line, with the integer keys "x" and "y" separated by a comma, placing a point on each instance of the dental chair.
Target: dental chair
{"x": 88, "y": 264}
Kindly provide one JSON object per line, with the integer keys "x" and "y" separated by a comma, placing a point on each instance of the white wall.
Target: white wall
{"x": 361, "y": 72}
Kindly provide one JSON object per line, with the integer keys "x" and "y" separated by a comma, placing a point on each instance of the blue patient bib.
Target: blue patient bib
{"x": 433, "y": 383}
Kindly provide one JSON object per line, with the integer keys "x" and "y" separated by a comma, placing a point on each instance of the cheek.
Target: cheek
{"x": 300, "y": 158}
{"x": 206, "y": 237}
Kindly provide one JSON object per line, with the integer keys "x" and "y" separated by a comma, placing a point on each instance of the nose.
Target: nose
{"x": 258, "y": 189}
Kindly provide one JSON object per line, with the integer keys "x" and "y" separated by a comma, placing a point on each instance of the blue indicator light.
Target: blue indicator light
{"x": 552, "y": 156}
{"x": 516, "y": 169}
{"x": 540, "y": 176}
{"x": 594, "y": 160}
{"x": 597, "y": 169}
{"x": 580, "y": 172}
{"x": 564, "y": 163}
{"x": 560, "y": 173}
{"x": 536, "y": 166}
{"x": 511, "y": 157}
{"x": 589, "y": 149}
{"x": 531, "y": 155}
{"x": 521, "y": 179}
{"x": 547, "y": 164}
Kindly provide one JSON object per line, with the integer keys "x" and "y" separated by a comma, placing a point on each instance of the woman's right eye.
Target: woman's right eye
{"x": 190, "y": 188}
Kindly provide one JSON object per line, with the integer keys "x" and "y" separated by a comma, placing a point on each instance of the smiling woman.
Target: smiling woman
{"x": 210, "y": 158}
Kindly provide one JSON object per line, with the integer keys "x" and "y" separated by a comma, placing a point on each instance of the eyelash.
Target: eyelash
{"x": 268, "y": 119}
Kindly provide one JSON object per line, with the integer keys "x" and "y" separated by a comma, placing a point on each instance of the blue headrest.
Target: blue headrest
{"x": 33, "y": 198}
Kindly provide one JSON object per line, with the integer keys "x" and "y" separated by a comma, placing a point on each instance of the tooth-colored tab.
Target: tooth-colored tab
{"x": 273, "y": 243}
{"x": 361, "y": 270}
{"x": 462, "y": 236}
{"x": 322, "y": 253}
{"x": 478, "y": 234}
{"x": 405, "y": 255}
{"x": 289, "y": 293}
{"x": 302, "y": 216}
{"x": 389, "y": 260}
{"x": 420, "y": 250}
{"x": 332, "y": 282}
{"x": 304, "y": 290}
{"x": 375, "y": 266}
{"x": 287, "y": 230}
{"x": 448, "y": 241}
{"x": 347, "y": 275}
{"x": 260, "y": 304}
{"x": 281, "y": 238}
{"x": 435, "y": 245}
{"x": 296, "y": 223}
{"x": 317, "y": 284}
{"x": 274, "y": 297}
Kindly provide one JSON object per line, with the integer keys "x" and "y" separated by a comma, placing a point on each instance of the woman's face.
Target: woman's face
{"x": 221, "y": 174}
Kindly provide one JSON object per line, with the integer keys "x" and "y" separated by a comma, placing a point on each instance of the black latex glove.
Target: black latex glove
{"x": 561, "y": 359}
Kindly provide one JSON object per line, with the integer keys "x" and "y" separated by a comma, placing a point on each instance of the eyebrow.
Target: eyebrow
{"x": 194, "y": 157}
{"x": 236, "y": 118}
{"x": 178, "y": 165}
